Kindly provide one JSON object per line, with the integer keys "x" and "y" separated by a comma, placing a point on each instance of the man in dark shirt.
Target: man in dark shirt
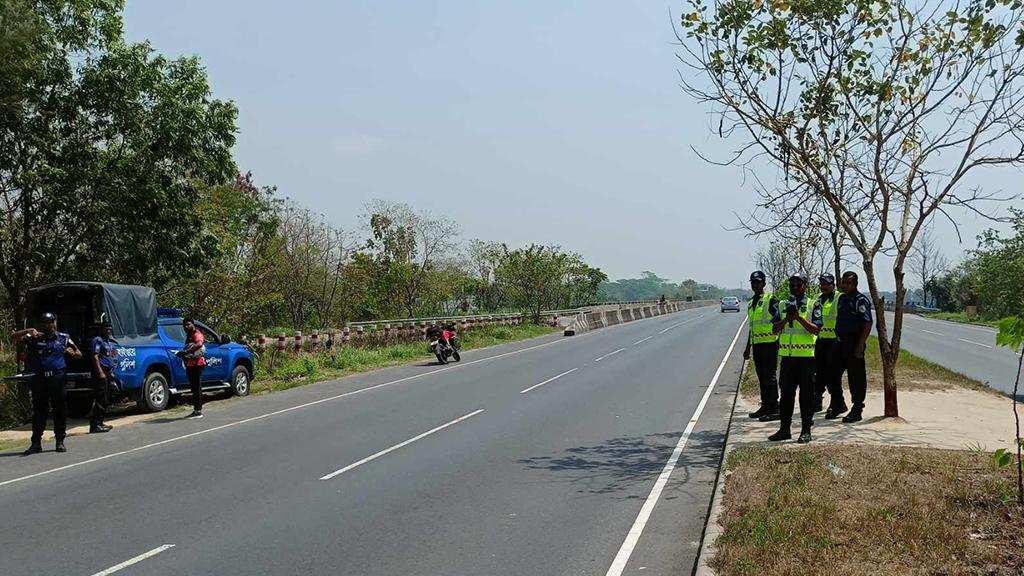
{"x": 765, "y": 346}
{"x": 104, "y": 359}
{"x": 46, "y": 351}
{"x": 853, "y": 326}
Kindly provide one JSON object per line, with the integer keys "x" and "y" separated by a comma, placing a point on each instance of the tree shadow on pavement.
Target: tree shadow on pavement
{"x": 628, "y": 465}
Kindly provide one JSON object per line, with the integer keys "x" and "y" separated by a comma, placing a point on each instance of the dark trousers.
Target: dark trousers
{"x": 797, "y": 373}
{"x": 48, "y": 392}
{"x": 766, "y": 358}
{"x": 100, "y": 396}
{"x": 827, "y": 374}
{"x": 195, "y": 382}
{"x": 856, "y": 370}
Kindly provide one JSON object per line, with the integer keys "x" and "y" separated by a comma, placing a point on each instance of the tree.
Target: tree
{"x": 91, "y": 127}
{"x": 997, "y": 267}
{"x": 927, "y": 261}
{"x": 880, "y": 109}
{"x": 533, "y": 277}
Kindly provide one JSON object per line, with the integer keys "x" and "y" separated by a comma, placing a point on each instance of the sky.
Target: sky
{"x": 526, "y": 122}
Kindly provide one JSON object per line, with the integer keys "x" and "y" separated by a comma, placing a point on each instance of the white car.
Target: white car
{"x": 731, "y": 303}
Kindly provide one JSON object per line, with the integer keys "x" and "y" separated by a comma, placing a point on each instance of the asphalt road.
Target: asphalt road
{"x": 595, "y": 454}
{"x": 965, "y": 348}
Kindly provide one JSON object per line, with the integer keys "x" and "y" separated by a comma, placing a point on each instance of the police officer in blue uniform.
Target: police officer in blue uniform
{"x": 47, "y": 352}
{"x": 104, "y": 358}
{"x": 853, "y": 326}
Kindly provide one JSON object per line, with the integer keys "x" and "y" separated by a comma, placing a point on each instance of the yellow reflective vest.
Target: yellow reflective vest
{"x": 795, "y": 341}
{"x": 761, "y": 321}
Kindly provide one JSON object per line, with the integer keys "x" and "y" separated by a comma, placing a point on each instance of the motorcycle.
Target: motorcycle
{"x": 444, "y": 351}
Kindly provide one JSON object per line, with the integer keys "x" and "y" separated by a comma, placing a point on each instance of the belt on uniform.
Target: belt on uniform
{"x": 52, "y": 373}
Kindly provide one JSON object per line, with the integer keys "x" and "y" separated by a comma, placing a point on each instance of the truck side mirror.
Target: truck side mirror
{"x": 225, "y": 339}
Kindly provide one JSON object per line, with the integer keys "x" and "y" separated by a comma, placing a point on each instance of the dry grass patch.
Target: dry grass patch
{"x": 841, "y": 510}
{"x": 913, "y": 373}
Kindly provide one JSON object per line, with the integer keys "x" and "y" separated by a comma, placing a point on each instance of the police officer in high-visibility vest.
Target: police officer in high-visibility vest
{"x": 765, "y": 345}
{"x": 853, "y": 326}
{"x": 826, "y": 352}
{"x": 798, "y": 328}
{"x": 47, "y": 350}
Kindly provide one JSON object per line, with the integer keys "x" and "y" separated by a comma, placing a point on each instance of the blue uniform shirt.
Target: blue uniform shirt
{"x": 854, "y": 312}
{"x": 105, "y": 350}
{"x": 816, "y": 316}
{"x": 46, "y": 353}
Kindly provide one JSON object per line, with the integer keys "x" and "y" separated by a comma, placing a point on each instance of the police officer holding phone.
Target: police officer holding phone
{"x": 47, "y": 352}
{"x": 798, "y": 330}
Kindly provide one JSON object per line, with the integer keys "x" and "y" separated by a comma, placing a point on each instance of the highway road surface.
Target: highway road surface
{"x": 965, "y": 348}
{"x": 594, "y": 454}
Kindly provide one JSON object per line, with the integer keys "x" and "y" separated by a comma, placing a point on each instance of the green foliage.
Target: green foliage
{"x": 103, "y": 147}
{"x": 997, "y": 268}
{"x": 1002, "y": 458}
{"x": 1011, "y": 332}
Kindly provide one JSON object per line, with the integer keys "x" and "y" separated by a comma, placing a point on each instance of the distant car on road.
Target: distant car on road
{"x": 730, "y": 303}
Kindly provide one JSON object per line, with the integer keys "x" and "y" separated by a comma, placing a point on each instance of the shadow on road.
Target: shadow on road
{"x": 628, "y": 465}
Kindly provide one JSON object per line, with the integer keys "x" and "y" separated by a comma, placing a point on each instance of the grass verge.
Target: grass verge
{"x": 838, "y": 509}
{"x": 961, "y": 318}
{"x": 913, "y": 373}
{"x": 292, "y": 371}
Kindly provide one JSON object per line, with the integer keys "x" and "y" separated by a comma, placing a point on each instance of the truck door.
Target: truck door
{"x": 174, "y": 337}
{"x": 216, "y": 356}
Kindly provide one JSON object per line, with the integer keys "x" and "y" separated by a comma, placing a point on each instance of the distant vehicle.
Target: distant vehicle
{"x": 148, "y": 338}
{"x": 730, "y": 303}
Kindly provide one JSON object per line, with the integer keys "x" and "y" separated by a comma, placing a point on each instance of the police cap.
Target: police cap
{"x": 827, "y": 278}
{"x": 48, "y": 317}
{"x": 757, "y": 275}
{"x": 798, "y": 276}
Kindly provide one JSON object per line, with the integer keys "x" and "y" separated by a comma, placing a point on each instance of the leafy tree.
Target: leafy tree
{"x": 878, "y": 109}
{"x": 104, "y": 146}
{"x": 998, "y": 270}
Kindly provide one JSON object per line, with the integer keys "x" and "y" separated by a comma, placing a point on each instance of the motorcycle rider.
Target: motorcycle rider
{"x": 449, "y": 337}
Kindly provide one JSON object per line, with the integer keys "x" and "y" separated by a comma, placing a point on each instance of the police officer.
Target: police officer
{"x": 826, "y": 352}
{"x": 104, "y": 358}
{"x": 853, "y": 326}
{"x": 47, "y": 351}
{"x": 765, "y": 345}
{"x": 798, "y": 328}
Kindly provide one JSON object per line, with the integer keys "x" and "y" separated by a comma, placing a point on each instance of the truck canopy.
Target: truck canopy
{"x": 79, "y": 306}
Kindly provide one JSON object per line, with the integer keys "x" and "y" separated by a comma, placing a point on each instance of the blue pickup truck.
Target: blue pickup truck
{"x": 147, "y": 368}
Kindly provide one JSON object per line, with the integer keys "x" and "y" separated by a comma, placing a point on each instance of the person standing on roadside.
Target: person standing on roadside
{"x": 826, "y": 352}
{"x": 195, "y": 360}
{"x": 798, "y": 328}
{"x": 765, "y": 346}
{"x": 47, "y": 359}
{"x": 853, "y": 326}
{"x": 104, "y": 358}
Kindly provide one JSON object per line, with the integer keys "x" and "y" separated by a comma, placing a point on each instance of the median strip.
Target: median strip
{"x": 400, "y": 445}
{"x": 552, "y": 379}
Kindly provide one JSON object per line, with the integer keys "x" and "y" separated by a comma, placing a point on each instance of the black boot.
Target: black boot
{"x": 782, "y": 434}
{"x": 60, "y": 446}
{"x": 853, "y": 416}
{"x": 757, "y": 413}
{"x": 770, "y": 416}
{"x": 35, "y": 448}
{"x": 99, "y": 428}
{"x": 805, "y": 436}
{"x": 835, "y": 411}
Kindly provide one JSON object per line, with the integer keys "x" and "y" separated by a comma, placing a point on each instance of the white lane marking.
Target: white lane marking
{"x": 954, "y": 324}
{"x": 275, "y": 413}
{"x": 633, "y": 536}
{"x": 399, "y": 445}
{"x": 642, "y": 341}
{"x": 608, "y": 354}
{"x": 973, "y": 342}
{"x": 930, "y": 332}
{"x": 135, "y": 560}
{"x": 552, "y": 379}
{"x": 680, "y": 324}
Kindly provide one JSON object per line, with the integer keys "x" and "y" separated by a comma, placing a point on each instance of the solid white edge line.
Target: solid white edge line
{"x": 930, "y": 332}
{"x": 399, "y": 445}
{"x": 633, "y": 536}
{"x": 135, "y": 560}
{"x": 275, "y": 413}
{"x": 642, "y": 341}
{"x": 552, "y": 379}
{"x": 608, "y": 354}
{"x": 973, "y": 342}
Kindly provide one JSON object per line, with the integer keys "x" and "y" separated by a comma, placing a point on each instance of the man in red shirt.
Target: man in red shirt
{"x": 193, "y": 354}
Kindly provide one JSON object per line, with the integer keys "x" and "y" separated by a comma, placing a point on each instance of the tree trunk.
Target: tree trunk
{"x": 888, "y": 354}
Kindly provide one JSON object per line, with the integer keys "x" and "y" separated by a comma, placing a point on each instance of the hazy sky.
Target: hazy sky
{"x": 530, "y": 121}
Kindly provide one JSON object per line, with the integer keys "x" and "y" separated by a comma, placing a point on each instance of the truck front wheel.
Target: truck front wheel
{"x": 240, "y": 381}
{"x": 155, "y": 393}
